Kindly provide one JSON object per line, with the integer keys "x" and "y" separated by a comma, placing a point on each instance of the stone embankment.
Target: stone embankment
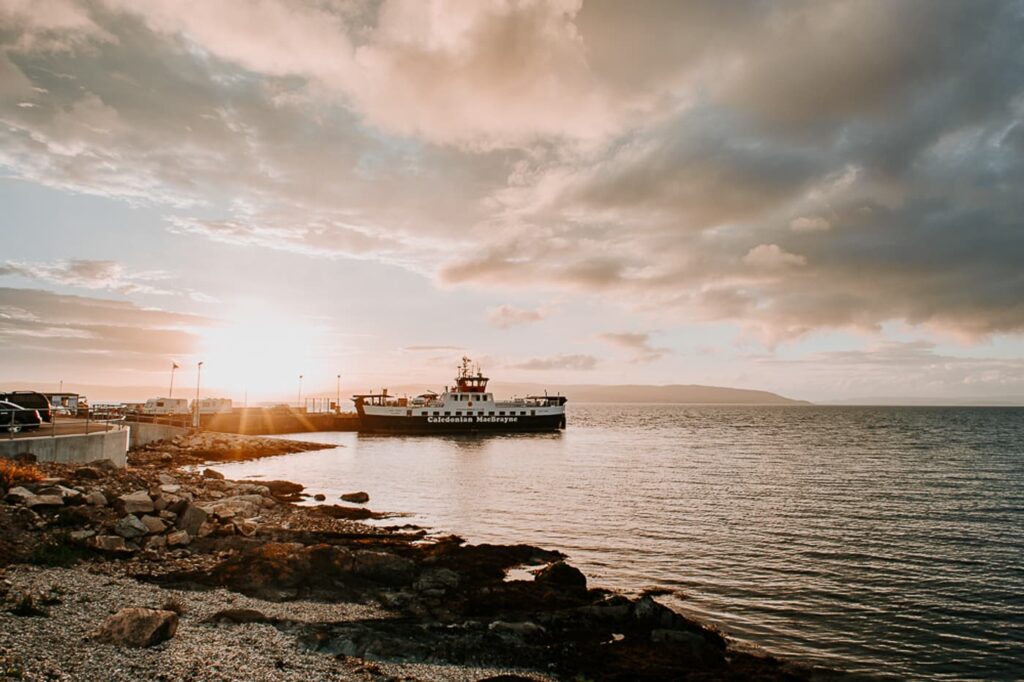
{"x": 239, "y": 572}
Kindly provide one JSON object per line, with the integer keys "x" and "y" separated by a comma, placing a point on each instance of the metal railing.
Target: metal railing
{"x": 27, "y": 421}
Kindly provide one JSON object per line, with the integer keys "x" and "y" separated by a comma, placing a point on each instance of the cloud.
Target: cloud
{"x": 770, "y": 256}
{"x": 809, "y": 224}
{"x": 505, "y": 316}
{"x": 652, "y": 156}
{"x": 99, "y": 274}
{"x": 432, "y": 348}
{"x": 639, "y": 344}
{"x": 43, "y": 328}
{"x": 565, "y": 361}
{"x": 909, "y": 369}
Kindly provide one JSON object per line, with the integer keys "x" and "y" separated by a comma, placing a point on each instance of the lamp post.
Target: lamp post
{"x": 199, "y": 374}
{"x": 170, "y": 392}
{"x": 337, "y": 400}
{"x": 298, "y": 403}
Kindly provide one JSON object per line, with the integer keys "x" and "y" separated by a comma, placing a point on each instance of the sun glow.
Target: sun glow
{"x": 263, "y": 355}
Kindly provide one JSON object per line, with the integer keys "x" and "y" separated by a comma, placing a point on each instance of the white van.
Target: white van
{"x": 166, "y": 406}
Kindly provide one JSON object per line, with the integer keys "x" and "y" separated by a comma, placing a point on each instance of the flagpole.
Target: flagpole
{"x": 170, "y": 393}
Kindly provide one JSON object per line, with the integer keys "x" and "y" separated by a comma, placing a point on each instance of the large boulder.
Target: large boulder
{"x": 40, "y": 501}
{"x": 384, "y": 567}
{"x": 562, "y": 574}
{"x": 190, "y": 519}
{"x": 136, "y": 627}
{"x": 129, "y": 527}
{"x": 18, "y": 495}
{"x": 358, "y": 498}
{"x": 137, "y": 502}
{"x": 154, "y": 523}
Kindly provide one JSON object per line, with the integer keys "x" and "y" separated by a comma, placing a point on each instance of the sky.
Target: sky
{"x": 822, "y": 199}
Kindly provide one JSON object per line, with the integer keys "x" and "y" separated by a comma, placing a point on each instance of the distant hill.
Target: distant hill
{"x": 578, "y": 393}
{"x": 638, "y": 393}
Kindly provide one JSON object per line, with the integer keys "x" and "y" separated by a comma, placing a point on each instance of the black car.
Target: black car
{"x": 33, "y": 399}
{"x": 14, "y": 418}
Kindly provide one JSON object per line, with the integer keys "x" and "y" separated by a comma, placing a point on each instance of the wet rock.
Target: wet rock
{"x": 129, "y": 527}
{"x": 436, "y": 580}
{"x": 383, "y": 567}
{"x": 280, "y": 488}
{"x": 320, "y": 497}
{"x": 562, "y": 575}
{"x": 137, "y": 502}
{"x": 358, "y": 498}
{"x": 139, "y": 628}
{"x": 190, "y": 519}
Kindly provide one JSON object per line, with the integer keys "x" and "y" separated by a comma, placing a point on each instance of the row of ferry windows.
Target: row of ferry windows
{"x": 466, "y": 396}
{"x": 479, "y": 413}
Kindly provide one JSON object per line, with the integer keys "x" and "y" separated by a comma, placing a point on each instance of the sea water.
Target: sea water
{"x": 878, "y": 540}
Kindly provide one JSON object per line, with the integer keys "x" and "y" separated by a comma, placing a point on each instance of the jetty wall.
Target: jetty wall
{"x": 72, "y": 449}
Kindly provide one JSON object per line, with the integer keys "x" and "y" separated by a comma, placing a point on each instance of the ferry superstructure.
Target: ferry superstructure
{"x": 468, "y": 407}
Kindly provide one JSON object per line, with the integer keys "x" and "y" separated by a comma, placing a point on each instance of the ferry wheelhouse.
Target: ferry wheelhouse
{"x": 468, "y": 407}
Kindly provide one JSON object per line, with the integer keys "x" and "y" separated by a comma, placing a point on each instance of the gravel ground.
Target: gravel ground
{"x": 57, "y": 646}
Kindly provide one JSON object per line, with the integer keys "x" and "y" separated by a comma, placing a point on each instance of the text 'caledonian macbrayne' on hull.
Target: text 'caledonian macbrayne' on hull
{"x": 466, "y": 408}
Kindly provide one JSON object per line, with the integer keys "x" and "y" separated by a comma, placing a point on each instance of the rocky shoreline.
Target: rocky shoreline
{"x": 160, "y": 571}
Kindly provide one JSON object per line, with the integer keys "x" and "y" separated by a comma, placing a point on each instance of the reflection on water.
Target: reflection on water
{"x": 883, "y": 540}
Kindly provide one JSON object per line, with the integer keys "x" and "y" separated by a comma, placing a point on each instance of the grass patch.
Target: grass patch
{"x": 12, "y": 473}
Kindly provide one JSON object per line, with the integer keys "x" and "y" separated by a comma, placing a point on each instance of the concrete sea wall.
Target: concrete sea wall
{"x": 72, "y": 449}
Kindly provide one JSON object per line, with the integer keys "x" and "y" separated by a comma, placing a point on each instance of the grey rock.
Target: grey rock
{"x": 178, "y": 538}
{"x": 129, "y": 526}
{"x": 154, "y": 524}
{"x": 137, "y": 502}
{"x": 166, "y": 479}
{"x": 137, "y": 627}
{"x": 190, "y": 519}
{"x": 170, "y": 488}
{"x": 81, "y": 535}
{"x": 110, "y": 543}
{"x": 37, "y": 501}
{"x": 18, "y": 495}
{"x": 96, "y": 499}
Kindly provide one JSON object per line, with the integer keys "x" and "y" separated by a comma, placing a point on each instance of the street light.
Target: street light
{"x": 199, "y": 374}
{"x": 299, "y": 401}
{"x": 337, "y": 400}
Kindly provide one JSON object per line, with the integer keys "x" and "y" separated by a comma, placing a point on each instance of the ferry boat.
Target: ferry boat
{"x": 468, "y": 407}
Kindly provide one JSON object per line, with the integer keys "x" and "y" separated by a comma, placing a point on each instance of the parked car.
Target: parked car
{"x": 32, "y": 399}
{"x": 14, "y": 418}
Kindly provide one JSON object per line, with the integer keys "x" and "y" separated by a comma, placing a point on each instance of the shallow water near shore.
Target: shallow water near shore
{"x": 877, "y": 540}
